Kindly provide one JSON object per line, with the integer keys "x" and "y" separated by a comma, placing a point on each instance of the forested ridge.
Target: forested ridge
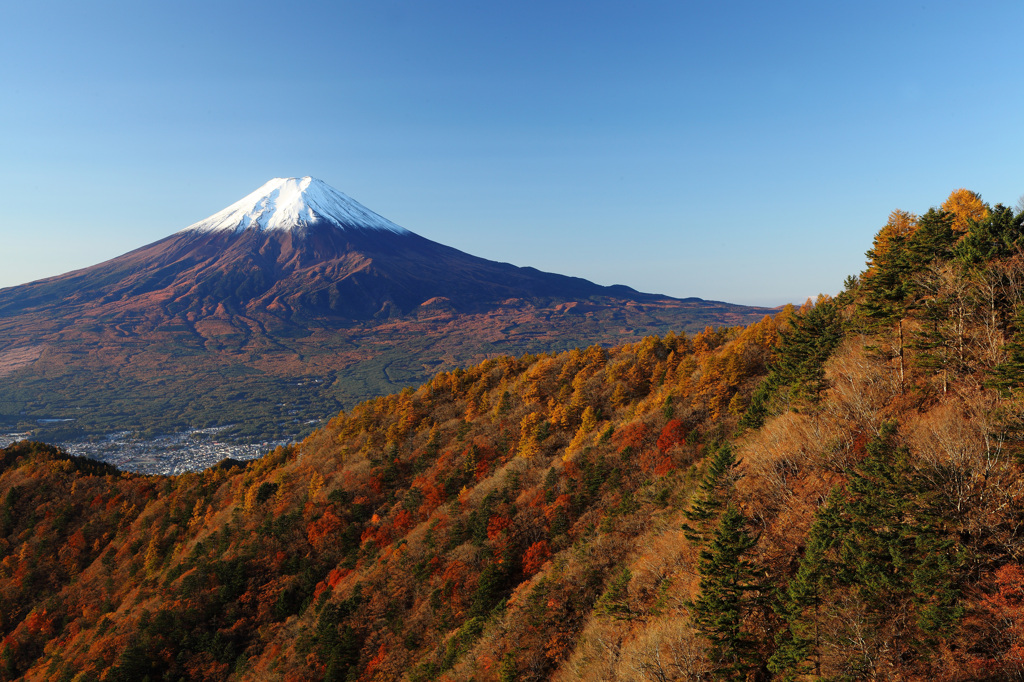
{"x": 831, "y": 493}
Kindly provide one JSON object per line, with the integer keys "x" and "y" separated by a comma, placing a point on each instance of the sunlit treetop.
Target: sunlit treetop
{"x": 966, "y": 206}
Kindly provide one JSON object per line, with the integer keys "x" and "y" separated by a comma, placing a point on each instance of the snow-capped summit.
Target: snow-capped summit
{"x": 289, "y": 203}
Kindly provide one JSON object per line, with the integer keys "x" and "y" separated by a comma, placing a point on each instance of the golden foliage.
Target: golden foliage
{"x": 413, "y": 517}
{"x": 587, "y": 424}
{"x": 966, "y": 206}
{"x": 900, "y": 226}
{"x": 529, "y": 444}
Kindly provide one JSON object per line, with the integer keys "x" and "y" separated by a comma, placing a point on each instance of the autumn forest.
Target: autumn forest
{"x": 831, "y": 493}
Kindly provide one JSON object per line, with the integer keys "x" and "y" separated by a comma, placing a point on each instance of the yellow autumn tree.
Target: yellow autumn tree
{"x": 529, "y": 443}
{"x": 198, "y": 513}
{"x": 316, "y": 484}
{"x": 153, "y": 556}
{"x": 587, "y": 425}
{"x": 250, "y": 498}
{"x": 966, "y": 206}
{"x": 898, "y": 228}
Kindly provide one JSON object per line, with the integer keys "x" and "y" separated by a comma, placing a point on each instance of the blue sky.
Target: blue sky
{"x": 738, "y": 151}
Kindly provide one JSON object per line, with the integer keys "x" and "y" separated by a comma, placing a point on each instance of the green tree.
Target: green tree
{"x": 1009, "y": 374}
{"x": 888, "y": 283}
{"x": 797, "y": 374}
{"x": 712, "y": 493}
{"x": 886, "y": 523}
{"x": 729, "y": 589}
{"x": 997, "y": 235}
{"x": 798, "y": 643}
{"x": 881, "y": 567}
{"x": 933, "y": 238}
{"x": 615, "y": 600}
{"x": 805, "y": 347}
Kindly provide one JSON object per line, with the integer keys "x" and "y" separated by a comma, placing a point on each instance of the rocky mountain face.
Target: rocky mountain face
{"x": 310, "y": 300}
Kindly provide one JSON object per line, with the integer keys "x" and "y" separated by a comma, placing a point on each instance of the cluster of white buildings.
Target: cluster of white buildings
{"x": 178, "y": 453}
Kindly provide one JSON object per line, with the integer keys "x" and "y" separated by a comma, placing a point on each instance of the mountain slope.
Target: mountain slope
{"x": 283, "y": 307}
{"x": 319, "y": 272}
{"x": 788, "y": 500}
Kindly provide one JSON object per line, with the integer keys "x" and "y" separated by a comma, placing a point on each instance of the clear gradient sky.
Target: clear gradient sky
{"x": 738, "y": 151}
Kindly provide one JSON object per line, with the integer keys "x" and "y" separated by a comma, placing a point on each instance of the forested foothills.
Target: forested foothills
{"x": 832, "y": 493}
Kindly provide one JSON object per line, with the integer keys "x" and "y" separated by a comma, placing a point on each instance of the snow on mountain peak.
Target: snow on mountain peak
{"x": 288, "y": 203}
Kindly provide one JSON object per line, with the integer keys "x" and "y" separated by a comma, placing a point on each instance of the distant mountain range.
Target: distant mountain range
{"x": 281, "y": 309}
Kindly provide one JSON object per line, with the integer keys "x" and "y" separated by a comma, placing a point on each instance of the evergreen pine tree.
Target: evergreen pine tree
{"x": 1009, "y": 374}
{"x": 798, "y": 643}
{"x": 729, "y": 588}
{"x": 937, "y": 338}
{"x": 995, "y": 236}
{"x": 935, "y": 582}
{"x": 880, "y": 543}
{"x": 933, "y": 239}
{"x": 615, "y": 600}
{"x": 804, "y": 349}
{"x": 877, "y": 543}
{"x": 895, "y": 547}
{"x": 797, "y": 375}
{"x": 888, "y": 283}
{"x": 712, "y": 493}
{"x": 760, "y": 404}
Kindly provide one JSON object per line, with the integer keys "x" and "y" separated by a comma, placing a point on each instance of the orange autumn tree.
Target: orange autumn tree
{"x": 966, "y": 207}
{"x": 893, "y": 235}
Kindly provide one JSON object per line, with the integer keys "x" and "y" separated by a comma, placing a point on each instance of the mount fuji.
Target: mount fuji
{"x": 296, "y": 250}
{"x": 284, "y": 307}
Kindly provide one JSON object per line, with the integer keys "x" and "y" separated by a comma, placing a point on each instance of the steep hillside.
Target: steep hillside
{"x": 832, "y": 493}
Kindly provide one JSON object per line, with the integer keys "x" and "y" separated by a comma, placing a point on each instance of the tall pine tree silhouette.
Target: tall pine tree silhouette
{"x": 729, "y": 589}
